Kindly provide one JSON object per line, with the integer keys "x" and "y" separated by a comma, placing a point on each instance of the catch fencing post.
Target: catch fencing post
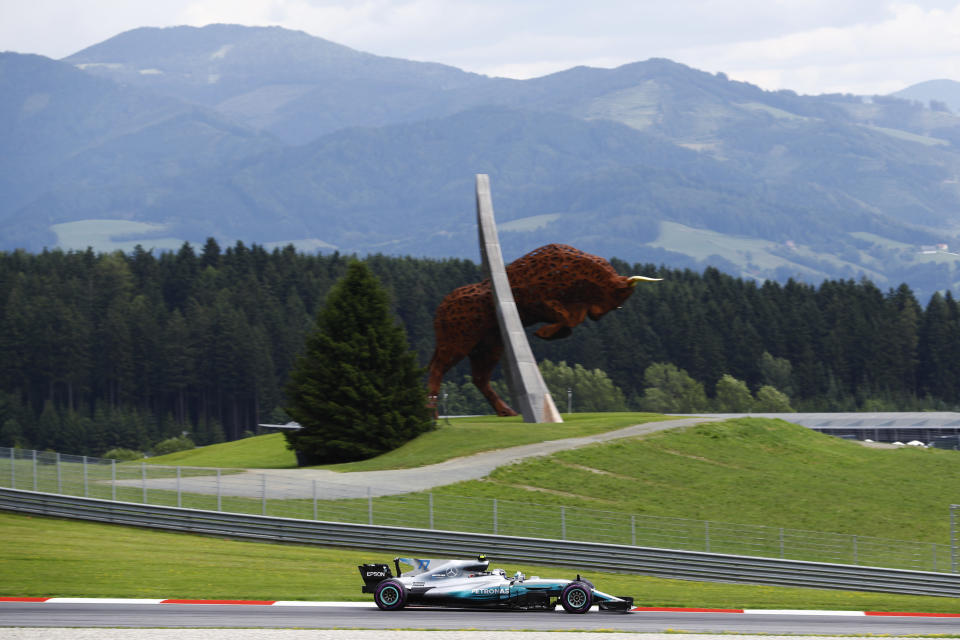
{"x": 781, "y": 542}
{"x": 369, "y": 505}
{"x": 855, "y": 550}
{"x": 430, "y": 495}
{"x": 113, "y": 480}
{"x": 263, "y": 494}
{"x": 953, "y": 537}
{"x": 706, "y": 535}
{"x": 179, "y": 502}
{"x": 633, "y": 530}
{"x": 219, "y": 504}
{"x": 59, "y": 478}
{"x": 563, "y": 523}
{"x": 314, "y": 498}
{"x": 143, "y": 480}
{"x": 34, "y": 469}
{"x": 494, "y": 516}
{"x": 13, "y": 469}
{"x": 85, "y": 477}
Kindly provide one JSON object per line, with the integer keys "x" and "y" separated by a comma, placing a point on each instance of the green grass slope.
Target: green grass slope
{"x": 259, "y": 452}
{"x": 751, "y": 471}
{"x": 746, "y": 471}
{"x": 84, "y": 559}
{"x": 451, "y": 439}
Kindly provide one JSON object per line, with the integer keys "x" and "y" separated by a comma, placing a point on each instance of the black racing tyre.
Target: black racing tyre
{"x": 576, "y": 597}
{"x": 390, "y": 595}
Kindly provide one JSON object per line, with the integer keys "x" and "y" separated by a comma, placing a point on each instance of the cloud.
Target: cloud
{"x": 909, "y": 45}
{"x": 58, "y": 28}
{"x": 811, "y": 46}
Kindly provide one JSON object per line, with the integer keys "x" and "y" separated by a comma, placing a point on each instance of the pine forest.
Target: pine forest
{"x": 107, "y": 350}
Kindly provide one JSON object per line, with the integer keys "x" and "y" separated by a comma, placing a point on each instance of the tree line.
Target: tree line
{"x": 104, "y": 350}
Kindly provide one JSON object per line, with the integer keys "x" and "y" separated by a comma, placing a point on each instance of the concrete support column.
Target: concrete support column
{"x": 528, "y": 391}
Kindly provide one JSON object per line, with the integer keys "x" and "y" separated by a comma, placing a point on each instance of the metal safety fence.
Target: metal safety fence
{"x": 274, "y": 493}
{"x": 667, "y": 563}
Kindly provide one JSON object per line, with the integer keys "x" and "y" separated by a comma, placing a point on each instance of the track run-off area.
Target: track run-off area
{"x": 43, "y": 618}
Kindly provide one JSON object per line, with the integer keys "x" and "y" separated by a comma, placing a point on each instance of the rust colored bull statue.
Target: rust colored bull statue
{"x": 556, "y": 284}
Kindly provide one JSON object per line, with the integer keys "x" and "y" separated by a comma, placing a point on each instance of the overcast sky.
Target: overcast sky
{"x": 810, "y": 46}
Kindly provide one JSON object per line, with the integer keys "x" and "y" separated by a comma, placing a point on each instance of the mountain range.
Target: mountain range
{"x": 272, "y": 136}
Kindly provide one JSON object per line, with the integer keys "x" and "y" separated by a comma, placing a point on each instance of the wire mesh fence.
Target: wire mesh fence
{"x": 276, "y": 494}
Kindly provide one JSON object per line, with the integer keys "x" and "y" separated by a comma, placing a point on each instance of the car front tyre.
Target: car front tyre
{"x": 576, "y": 597}
{"x": 390, "y": 595}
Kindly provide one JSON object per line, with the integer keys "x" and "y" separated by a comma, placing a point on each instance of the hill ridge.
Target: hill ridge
{"x": 814, "y": 175}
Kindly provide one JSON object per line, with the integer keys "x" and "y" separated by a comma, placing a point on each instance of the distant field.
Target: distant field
{"x": 773, "y": 111}
{"x": 65, "y": 558}
{"x": 637, "y": 107}
{"x": 945, "y": 257}
{"x": 881, "y": 241}
{"x": 530, "y": 223}
{"x": 112, "y": 235}
{"x": 743, "y": 251}
{"x": 900, "y": 134}
{"x": 461, "y": 437}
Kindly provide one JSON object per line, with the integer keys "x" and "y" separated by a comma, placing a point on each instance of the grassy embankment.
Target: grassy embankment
{"x": 458, "y": 437}
{"x": 748, "y": 471}
{"x": 754, "y": 471}
{"x": 64, "y": 558}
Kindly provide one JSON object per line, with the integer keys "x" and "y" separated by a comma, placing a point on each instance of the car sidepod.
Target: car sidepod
{"x": 490, "y": 591}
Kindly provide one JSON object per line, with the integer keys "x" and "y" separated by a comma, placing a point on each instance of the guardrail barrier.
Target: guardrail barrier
{"x": 239, "y": 491}
{"x": 667, "y": 563}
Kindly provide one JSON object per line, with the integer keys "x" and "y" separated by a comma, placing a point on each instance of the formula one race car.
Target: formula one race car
{"x": 468, "y": 583}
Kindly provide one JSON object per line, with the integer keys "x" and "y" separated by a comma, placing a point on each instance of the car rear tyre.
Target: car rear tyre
{"x": 576, "y": 597}
{"x": 390, "y": 595}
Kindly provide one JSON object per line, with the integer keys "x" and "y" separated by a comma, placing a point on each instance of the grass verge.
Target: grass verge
{"x": 64, "y": 558}
{"x": 767, "y": 488}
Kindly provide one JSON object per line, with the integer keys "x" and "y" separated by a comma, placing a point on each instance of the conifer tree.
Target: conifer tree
{"x": 356, "y": 390}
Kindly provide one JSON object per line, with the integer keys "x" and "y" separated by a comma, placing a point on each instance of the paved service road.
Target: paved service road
{"x": 297, "y": 483}
{"x": 369, "y": 617}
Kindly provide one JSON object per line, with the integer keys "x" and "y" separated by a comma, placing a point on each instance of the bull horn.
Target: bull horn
{"x": 633, "y": 280}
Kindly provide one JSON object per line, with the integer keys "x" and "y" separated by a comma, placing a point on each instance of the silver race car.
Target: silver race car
{"x": 469, "y": 583}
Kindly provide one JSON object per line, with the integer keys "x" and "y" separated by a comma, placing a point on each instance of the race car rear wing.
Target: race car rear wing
{"x": 373, "y": 574}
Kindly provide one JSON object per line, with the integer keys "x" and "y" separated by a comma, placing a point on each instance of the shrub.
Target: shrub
{"x": 770, "y": 400}
{"x": 122, "y": 455}
{"x": 181, "y": 443}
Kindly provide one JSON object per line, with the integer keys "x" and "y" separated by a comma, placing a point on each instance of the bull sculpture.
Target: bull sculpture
{"x": 556, "y": 284}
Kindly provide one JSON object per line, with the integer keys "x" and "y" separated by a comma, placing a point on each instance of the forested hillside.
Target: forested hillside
{"x": 103, "y": 350}
{"x": 160, "y": 136}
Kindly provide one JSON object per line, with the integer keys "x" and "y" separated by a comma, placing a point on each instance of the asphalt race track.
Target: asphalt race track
{"x": 32, "y": 614}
